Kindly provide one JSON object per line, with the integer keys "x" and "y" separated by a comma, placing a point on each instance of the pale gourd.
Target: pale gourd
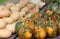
{"x": 30, "y": 5}
{"x": 36, "y": 9}
{"x": 8, "y": 20}
{"x": 22, "y": 3}
{"x": 15, "y": 16}
{"x": 11, "y": 27}
{"x": 2, "y": 24}
{"x": 22, "y": 13}
{"x": 5, "y": 33}
{"x": 4, "y": 12}
{"x": 15, "y": 8}
{"x": 38, "y": 3}
{"x": 25, "y": 9}
{"x": 9, "y": 5}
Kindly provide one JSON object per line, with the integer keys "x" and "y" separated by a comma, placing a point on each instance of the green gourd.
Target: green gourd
{"x": 18, "y": 26}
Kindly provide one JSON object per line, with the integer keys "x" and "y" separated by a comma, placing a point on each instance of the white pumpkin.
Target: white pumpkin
{"x": 22, "y": 13}
{"x": 8, "y": 20}
{"x": 4, "y": 12}
{"x": 30, "y": 5}
{"x": 9, "y": 5}
{"x": 4, "y": 33}
{"x": 15, "y": 16}
{"x": 11, "y": 27}
{"x": 2, "y": 24}
{"x": 25, "y": 9}
{"x": 22, "y": 3}
{"x": 15, "y": 8}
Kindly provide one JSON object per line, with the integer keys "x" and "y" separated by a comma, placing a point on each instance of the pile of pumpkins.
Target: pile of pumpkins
{"x": 25, "y": 18}
{"x": 11, "y": 13}
{"x": 41, "y": 24}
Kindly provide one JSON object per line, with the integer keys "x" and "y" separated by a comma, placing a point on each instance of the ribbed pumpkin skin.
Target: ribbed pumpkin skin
{"x": 52, "y": 28}
{"x": 39, "y": 33}
{"x": 51, "y": 31}
{"x": 18, "y": 26}
{"x": 23, "y": 30}
{"x": 25, "y": 33}
{"x": 39, "y": 25}
{"x": 29, "y": 23}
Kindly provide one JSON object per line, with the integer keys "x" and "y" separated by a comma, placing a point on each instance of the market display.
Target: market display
{"x": 40, "y": 24}
{"x": 11, "y": 13}
{"x": 29, "y": 22}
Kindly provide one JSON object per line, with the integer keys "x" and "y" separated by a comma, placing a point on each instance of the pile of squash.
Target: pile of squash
{"x": 11, "y": 13}
{"x": 38, "y": 26}
{"x": 41, "y": 24}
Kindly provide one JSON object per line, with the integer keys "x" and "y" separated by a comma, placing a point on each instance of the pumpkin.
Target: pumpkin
{"x": 18, "y": 26}
{"x": 4, "y": 12}
{"x": 36, "y": 16}
{"x": 15, "y": 16}
{"x": 23, "y": 29}
{"x": 51, "y": 30}
{"x": 39, "y": 33}
{"x": 49, "y": 12}
{"x": 5, "y": 33}
{"x": 2, "y": 24}
{"x": 15, "y": 8}
{"x": 29, "y": 23}
{"x": 25, "y": 33}
{"x": 11, "y": 27}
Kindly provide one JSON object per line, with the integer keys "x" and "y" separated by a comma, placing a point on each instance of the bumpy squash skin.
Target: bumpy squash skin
{"x": 51, "y": 31}
{"x": 39, "y": 33}
{"x": 25, "y": 33}
{"x": 37, "y": 24}
{"x": 29, "y": 23}
{"x": 18, "y": 26}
